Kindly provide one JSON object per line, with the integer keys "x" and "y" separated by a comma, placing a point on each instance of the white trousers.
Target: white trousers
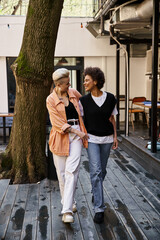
{"x": 67, "y": 171}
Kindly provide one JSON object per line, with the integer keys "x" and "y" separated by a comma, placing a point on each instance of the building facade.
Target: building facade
{"x": 79, "y": 48}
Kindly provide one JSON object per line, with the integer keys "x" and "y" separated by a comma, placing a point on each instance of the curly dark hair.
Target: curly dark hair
{"x": 96, "y": 74}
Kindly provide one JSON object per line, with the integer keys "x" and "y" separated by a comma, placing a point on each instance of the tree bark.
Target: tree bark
{"x": 25, "y": 153}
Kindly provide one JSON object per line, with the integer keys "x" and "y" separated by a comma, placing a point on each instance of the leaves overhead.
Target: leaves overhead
{"x": 72, "y": 8}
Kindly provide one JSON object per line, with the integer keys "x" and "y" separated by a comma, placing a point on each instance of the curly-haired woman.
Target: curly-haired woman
{"x": 99, "y": 108}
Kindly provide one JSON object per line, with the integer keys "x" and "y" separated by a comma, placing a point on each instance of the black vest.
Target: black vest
{"x": 96, "y": 119}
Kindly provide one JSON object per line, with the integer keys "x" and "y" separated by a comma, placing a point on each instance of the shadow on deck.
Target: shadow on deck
{"x": 132, "y": 198}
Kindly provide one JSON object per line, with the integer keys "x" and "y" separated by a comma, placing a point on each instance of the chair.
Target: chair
{"x": 133, "y": 110}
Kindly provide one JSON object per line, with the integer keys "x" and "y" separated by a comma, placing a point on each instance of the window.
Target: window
{"x": 11, "y": 84}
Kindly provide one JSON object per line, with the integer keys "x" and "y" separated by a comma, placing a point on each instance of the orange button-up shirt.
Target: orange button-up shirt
{"x": 59, "y": 139}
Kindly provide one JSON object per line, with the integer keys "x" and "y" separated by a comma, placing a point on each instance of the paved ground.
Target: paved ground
{"x": 132, "y": 198}
{"x": 2, "y": 148}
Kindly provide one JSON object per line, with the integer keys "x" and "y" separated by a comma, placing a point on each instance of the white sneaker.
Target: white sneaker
{"x": 74, "y": 208}
{"x": 67, "y": 218}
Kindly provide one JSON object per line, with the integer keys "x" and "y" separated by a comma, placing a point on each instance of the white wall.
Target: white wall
{"x": 11, "y": 36}
{"x": 72, "y": 40}
{"x": 137, "y": 77}
{"x": 76, "y": 41}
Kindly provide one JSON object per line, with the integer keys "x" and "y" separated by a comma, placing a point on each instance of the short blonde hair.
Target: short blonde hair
{"x": 59, "y": 74}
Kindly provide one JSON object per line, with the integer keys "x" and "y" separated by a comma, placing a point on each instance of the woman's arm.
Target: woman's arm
{"x": 56, "y": 119}
{"x": 115, "y": 141}
{"x": 81, "y": 134}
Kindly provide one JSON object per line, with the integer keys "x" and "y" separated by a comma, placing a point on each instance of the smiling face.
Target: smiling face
{"x": 89, "y": 83}
{"x": 64, "y": 84}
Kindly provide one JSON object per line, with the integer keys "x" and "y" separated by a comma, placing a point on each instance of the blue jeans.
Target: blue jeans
{"x": 98, "y": 155}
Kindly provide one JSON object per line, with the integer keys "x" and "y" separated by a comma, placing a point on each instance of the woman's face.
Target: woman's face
{"x": 89, "y": 84}
{"x": 65, "y": 85}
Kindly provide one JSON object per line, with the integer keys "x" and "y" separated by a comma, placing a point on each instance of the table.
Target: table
{"x": 4, "y": 115}
{"x": 147, "y": 105}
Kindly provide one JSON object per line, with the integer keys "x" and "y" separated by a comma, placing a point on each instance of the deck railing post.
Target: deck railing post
{"x": 127, "y": 60}
{"x": 154, "y": 75}
{"x": 117, "y": 84}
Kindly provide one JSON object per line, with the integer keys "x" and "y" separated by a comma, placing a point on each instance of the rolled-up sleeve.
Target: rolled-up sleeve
{"x": 58, "y": 123}
{"x": 115, "y": 112}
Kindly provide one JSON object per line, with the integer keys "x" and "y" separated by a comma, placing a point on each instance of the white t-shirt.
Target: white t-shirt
{"x": 96, "y": 139}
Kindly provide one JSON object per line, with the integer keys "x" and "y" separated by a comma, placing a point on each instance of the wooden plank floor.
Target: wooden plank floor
{"x": 132, "y": 198}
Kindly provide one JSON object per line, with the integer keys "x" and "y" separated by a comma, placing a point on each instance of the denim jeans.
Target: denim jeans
{"x": 98, "y": 155}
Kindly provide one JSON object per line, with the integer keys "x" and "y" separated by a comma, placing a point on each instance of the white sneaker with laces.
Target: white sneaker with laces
{"x": 67, "y": 218}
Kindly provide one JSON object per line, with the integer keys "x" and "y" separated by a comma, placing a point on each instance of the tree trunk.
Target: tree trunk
{"x": 33, "y": 69}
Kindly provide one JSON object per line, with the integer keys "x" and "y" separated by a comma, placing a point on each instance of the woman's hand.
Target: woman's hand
{"x": 82, "y": 135}
{"x": 115, "y": 143}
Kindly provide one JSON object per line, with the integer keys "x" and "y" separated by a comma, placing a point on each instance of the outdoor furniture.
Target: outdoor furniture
{"x": 147, "y": 105}
{"x": 133, "y": 110}
{"x": 4, "y": 116}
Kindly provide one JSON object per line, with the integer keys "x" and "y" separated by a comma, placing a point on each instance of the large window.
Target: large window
{"x": 11, "y": 84}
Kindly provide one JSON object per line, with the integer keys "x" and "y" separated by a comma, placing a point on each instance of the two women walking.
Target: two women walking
{"x": 97, "y": 133}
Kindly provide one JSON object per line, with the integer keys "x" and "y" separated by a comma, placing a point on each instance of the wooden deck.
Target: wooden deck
{"x": 132, "y": 197}
{"x": 136, "y": 146}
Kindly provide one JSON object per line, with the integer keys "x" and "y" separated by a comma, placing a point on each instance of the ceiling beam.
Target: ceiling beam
{"x": 132, "y": 41}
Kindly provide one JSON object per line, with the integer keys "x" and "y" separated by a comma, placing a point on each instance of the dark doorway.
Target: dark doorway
{"x": 11, "y": 84}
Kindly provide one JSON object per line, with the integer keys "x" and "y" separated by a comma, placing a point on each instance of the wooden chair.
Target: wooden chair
{"x": 133, "y": 110}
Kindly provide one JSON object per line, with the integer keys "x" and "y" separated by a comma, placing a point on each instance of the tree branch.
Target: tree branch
{"x": 16, "y": 7}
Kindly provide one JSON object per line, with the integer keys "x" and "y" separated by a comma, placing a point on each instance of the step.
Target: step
{"x": 143, "y": 156}
{"x": 3, "y": 188}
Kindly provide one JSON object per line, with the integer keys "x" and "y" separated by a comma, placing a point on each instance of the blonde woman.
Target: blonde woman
{"x": 67, "y": 135}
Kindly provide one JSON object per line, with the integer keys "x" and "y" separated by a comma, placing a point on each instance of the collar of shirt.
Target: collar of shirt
{"x": 57, "y": 100}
